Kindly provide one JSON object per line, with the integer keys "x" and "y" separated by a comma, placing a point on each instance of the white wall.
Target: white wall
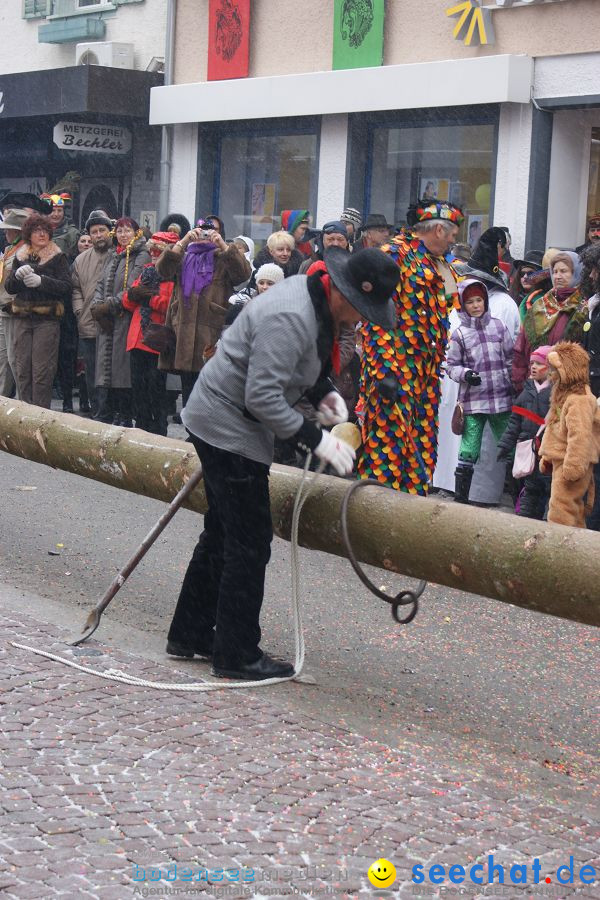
{"x": 184, "y": 163}
{"x": 141, "y": 24}
{"x": 569, "y": 176}
{"x": 512, "y": 172}
{"x": 573, "y": 75}
{"x": 332, "y": 168}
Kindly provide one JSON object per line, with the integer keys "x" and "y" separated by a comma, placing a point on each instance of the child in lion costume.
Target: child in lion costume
{"x": 571, "y": 441}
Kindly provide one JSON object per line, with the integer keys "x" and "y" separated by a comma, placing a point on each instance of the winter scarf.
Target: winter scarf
{"x": 320, "y": 268}
{"x": 198, "y": 269}
{"x": 541, "y": 318}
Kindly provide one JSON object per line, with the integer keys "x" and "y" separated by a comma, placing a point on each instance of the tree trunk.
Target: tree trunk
{"x": 536, "y": 565}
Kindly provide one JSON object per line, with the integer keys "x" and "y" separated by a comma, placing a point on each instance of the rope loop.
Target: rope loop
{"x": 403, "y": 598}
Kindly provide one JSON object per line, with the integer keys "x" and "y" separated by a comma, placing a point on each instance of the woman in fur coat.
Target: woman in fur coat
{"x": 40, "y": 281}
{"x": 571, "y": 441}
{"x": 205, "y": 271}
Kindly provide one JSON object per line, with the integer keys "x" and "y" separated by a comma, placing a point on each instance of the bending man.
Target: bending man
{"x": 279, "y": 349}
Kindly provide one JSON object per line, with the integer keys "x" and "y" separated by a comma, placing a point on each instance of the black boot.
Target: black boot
{"x": 463, "y": 477}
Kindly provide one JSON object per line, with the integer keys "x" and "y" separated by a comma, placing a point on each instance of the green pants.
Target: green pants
{"x": 470, "y": 445}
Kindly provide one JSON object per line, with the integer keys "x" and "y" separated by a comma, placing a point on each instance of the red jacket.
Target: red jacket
{"x": 159, "y": 303}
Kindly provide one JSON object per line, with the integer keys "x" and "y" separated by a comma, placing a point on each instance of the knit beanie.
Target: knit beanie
{"x": 270, "y": 272}
{"x": 540, "y": 355}
{"x": 159, "y": 241}
{"x": 292, "y": 218}
{"x": 352, "y": 216}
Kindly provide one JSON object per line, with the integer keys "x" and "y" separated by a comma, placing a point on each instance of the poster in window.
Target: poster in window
{"x": 475, "y": 228}
{"x": 358, "y": 33}
{"x": 228, "y": 39}
{"x": 433, "y": 189}
{"x": 263, "y": 210}
{"x": 147, "y": 220}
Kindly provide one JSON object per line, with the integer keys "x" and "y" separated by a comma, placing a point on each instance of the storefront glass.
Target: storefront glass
{"x": 593, "y": 205}
{"x": 444, "y": 162}
{"x": 260, "y": 175}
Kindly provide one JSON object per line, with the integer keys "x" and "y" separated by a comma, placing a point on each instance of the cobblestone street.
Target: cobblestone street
{"x": 104, "y": 782}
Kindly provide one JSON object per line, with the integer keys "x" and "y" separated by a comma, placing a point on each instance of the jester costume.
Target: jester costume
{"x": 400, "y": 436}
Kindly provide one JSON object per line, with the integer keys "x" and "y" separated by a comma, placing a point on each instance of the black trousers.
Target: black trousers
{"x": 535, "y": 496}
{"x": 222, "y": 592}
{"x": 87, "y": 347}
{"x": 149, "y": 390}
{"x": 67, "y": 357}
{"x": 188, "y": 380}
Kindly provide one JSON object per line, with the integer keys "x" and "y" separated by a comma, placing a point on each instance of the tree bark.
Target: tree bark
{"x": 540, "y": 566}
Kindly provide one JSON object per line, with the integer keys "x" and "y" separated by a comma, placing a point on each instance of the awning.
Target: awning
{"x": 77, "y": 90}
{"x": 462, "y": 82}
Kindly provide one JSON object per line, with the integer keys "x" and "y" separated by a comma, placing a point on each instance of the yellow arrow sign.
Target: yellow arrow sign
{"x": 474, "y": 25}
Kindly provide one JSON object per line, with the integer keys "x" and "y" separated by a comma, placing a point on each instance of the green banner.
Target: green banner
{"x": 358, "y": 33}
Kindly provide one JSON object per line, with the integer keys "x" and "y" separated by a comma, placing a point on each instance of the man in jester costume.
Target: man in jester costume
{"x": 400, "y": 370}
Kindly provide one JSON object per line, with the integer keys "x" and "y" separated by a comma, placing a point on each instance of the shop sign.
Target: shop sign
{"x": 474, "y": 23}
{"x": 228, "y": 39}
{"x": 87, "y": 137}
{"x": 358, "y": 33}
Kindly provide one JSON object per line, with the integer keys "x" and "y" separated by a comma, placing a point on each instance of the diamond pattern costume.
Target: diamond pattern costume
{"x": 400, "y": 437}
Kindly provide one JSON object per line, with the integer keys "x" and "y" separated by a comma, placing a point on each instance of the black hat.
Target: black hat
{"x": 533, "y": 260}
{"x": 376, "y": 220}
{"x": 178, "y": 220}
{"x": 367, "y": 279}
{"x": 19, "y": 200}
{"x": 485, "y": 254}
{"x": 98, "y": 217}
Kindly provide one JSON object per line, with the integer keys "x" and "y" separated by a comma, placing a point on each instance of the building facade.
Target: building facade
{"x": 75, "y": 80}
{"x": 492, "y": 104}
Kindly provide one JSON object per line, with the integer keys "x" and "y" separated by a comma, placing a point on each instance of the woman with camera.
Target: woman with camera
{"x": 205, "y": 270}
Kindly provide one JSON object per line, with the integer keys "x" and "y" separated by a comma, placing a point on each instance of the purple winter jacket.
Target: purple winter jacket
{"x": 483, "y": 345}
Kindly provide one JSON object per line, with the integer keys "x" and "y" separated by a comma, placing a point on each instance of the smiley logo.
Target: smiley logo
{"x": 381, "y": 873}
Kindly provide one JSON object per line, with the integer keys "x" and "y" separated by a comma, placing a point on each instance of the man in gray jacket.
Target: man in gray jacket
{"x": 87, "y": 270}
{"x": 279, "y": 349}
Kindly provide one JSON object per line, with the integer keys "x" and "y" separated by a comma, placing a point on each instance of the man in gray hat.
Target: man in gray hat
{"x": 87, "y": 270}
{"x": 11, "y": 227}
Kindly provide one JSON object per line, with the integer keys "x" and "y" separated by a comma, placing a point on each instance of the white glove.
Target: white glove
{"x": 22, "y": 271}
{"x": 336, "y": 453}
{"x": 332, "y": 409}
{"x": 31, "y": 280}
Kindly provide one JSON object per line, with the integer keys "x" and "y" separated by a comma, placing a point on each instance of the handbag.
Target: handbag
{"x": 526, "y": 452}
{"x": 160, "y": 338}
{"x": 458, "y": 419}
{"x": 524, "y": 462}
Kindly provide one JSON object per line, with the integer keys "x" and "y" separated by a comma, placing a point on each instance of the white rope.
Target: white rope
{"x": 203, "y": 686}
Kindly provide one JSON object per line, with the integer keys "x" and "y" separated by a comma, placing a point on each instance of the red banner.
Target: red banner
{"x": 228, "y": 39}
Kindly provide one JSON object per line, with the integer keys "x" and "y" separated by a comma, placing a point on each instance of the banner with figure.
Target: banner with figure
{"x": 228, "y": 39}
{"x": 358, "y": 33}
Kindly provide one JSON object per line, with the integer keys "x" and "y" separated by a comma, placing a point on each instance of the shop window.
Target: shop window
{"x": 260, "y": 175}
{"x": 438, "y": 161}
{"x": 593, "y": 205}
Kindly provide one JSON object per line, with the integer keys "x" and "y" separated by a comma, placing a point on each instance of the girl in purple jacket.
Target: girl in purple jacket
{"x": 479, "y": 359}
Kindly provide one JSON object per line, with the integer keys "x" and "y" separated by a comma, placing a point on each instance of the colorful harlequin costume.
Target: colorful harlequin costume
{"x": 400, "y": 434}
